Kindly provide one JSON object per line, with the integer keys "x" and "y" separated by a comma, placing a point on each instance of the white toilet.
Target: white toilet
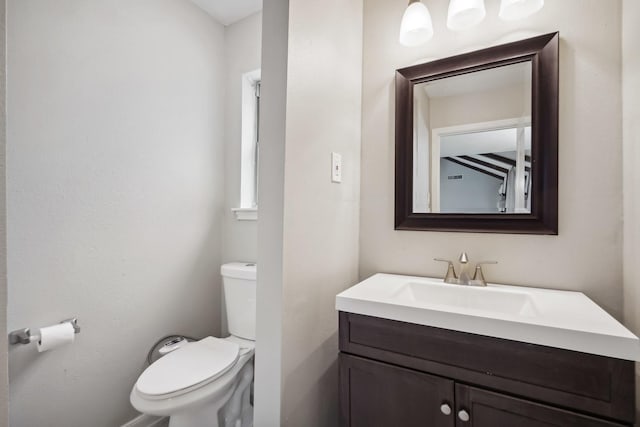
{"x": 207, "y": 383}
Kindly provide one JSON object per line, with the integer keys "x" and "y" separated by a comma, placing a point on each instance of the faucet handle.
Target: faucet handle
{"x": 487, "y": 262}
{"x": 478, "y": 273}
{"x": 451, "y": 276}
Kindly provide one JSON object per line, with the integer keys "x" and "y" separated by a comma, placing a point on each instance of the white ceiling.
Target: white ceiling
{"x": 227, "y": 12}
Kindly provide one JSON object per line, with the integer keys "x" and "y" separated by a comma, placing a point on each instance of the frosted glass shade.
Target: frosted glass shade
{"x": 464, "y": 14}
{"x": 511, "y": 10}
{"x": 416, "y": 27}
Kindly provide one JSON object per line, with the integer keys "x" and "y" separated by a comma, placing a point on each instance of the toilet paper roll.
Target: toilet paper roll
{"x": 55, "y": 336}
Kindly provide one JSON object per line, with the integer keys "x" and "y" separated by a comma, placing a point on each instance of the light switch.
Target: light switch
{"x": 336, "y": 167}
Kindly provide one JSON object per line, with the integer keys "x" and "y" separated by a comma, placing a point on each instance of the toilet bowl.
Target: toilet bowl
{"x": 207, "y": 383}
{"x": 193, "y": 384}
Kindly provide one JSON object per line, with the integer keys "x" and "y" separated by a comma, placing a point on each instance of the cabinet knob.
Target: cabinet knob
{"x": 445, "y": 409}
{"x": 463, "y": 415}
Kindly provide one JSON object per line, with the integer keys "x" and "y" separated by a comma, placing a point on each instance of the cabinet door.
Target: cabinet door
{"x": 375, "y": 394}
{"x": 480, "y": 408}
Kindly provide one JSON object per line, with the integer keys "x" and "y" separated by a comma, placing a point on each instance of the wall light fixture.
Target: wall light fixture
{"x": 416, "y": 27}
{"x": 465, "y": 14}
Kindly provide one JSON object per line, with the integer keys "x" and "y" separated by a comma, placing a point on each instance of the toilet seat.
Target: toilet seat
{"x": 209, "y": 392}
{"x": 188, "y": 368}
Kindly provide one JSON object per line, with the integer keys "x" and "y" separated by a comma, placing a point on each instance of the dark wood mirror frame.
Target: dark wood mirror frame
{"x": 542, "y": 51}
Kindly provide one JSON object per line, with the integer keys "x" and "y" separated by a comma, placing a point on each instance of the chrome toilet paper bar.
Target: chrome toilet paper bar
{"x": 24, "y": 336}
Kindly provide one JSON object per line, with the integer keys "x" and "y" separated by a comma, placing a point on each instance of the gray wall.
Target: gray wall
{"x": 631, "y": 177}
{"x": 115, "y": 194}
{"x": 242, "y": 54}
{"x": 242, "y": 46}
{"x": 475, "y": 192}
{"x": 4, "y": 380}
{"x": 590, "y": 134}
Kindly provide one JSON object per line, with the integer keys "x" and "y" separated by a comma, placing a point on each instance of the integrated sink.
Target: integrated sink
{"x": 488, "y": 300}
{"x": 561, "y": 319}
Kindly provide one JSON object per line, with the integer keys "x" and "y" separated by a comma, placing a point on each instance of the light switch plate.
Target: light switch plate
{"x": 336, "y": 167}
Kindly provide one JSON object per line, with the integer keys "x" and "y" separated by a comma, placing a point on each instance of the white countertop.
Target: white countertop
{"x": 562, "y": 319}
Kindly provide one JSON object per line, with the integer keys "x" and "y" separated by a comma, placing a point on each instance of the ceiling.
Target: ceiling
{"x": 229, "y": 11}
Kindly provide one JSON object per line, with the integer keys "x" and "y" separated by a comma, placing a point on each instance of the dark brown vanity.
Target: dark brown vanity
{"x": 419, "y": 351}
{"x": 394, "y": 373}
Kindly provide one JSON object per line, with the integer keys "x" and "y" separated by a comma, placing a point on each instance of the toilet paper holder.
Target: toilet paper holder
{"x": 24, "y": 336}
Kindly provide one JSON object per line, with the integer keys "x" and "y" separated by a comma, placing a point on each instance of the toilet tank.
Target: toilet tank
{"x": 239, "y": 281}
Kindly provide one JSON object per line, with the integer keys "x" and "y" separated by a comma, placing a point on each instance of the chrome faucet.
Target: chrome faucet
{"x": 465, "y": 277}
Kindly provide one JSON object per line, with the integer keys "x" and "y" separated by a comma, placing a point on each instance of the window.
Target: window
{"x": 248, "y": 209}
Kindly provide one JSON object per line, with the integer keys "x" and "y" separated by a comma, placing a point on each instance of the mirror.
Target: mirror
{"x": 476, "y": 140}
{"x": 471, "y": 142}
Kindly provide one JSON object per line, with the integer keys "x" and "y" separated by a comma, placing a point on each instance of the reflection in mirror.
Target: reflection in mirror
{"x": 472, "y": 142}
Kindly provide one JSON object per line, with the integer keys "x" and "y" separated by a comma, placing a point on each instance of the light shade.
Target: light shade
{"x": 464, "y": 14}
{"x": 511, "y": 10}
{"x": 416, "y": 27}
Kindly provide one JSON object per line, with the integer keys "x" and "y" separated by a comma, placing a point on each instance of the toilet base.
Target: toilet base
{"x": 232, "y": 410}
{"x": 238, "y": 412}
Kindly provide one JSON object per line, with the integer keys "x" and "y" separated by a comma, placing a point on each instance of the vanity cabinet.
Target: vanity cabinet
{"x": 400, "y": 374}
{"x": 381, "y": 394}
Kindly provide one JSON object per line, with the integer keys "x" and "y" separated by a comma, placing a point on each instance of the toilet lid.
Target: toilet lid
{"x": 198, "y": 362}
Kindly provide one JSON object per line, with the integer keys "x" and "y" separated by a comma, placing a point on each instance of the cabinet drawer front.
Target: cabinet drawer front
{"x": 374, "y": 394}
{"x": 487, "y": 409}
{"x": 595, "y": 384}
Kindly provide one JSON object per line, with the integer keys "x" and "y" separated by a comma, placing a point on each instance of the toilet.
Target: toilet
{"x": 207, "y": 383}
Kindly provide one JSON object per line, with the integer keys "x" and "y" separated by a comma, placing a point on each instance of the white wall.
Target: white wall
{"x": 587, "y": 253}
{"x": 115, "y": 194}
{"x": 242, "y": 54}
{"x": 320, "y": 232}
{"x": 307, "y": 227}
{"x": 631, "y": 156}
{"x": 268, "y": 362}
{"x": 477, "y": 107}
